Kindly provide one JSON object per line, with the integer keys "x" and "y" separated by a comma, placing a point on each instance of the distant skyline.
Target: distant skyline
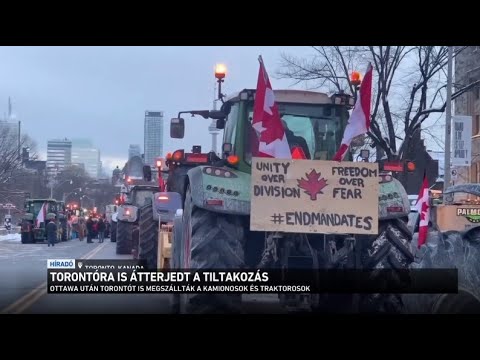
{"x": 102, "y": 93}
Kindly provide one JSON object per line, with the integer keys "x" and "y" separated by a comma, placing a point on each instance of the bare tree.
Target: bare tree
{"x": 408, "y": 86}
{"x": 10, "y": 155}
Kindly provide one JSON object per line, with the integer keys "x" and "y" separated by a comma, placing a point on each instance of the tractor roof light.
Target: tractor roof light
{"x": 220, "y": 71}
{"x": 355, "y": 78}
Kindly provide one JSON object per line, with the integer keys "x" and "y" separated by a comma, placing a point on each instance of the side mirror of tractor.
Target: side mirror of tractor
{"x": 177, "y": 128}
{"x": 221, "y": 124}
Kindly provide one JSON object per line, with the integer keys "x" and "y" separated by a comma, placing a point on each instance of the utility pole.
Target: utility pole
{"x": 213, "y": 126}
{"x": 448, "y": 121}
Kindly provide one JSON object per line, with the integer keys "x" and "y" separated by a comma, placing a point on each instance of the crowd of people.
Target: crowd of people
{"x": 92, "y": 228}
{"x": 80, "y": 228}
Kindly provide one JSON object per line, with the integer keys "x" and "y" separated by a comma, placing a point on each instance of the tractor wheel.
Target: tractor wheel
{"x": 64, "y": 231}
{"x": 135, "y": 241}
{"x": 210, "y": 241}
{"x": 27, "y": 237}
{"x": 177, "y": 260}
{"x": 464, "y": 302}
{"x": 451, "y": 250}
{"x": 148, "y": 243}
{"x": 391, "y": 249}
{"x": 113, "y": 232}
{"x": 124, "y": 238}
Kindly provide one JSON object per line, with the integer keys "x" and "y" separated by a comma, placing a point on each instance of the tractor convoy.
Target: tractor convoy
{"x": 199, "y": 217}
{"x": 196, "y": 212}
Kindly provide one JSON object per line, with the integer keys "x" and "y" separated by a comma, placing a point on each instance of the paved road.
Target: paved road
{"x": 23, "y": 289}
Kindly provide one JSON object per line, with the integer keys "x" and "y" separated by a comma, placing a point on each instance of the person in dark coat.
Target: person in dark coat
{"x": 101, "y": 230}
{"x": 89, "y": 230}
{"x": 51, "y": 229}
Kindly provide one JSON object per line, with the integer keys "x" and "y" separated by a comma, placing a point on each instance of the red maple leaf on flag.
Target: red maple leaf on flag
{"x": 424, "y": 209}
{"x": 313, "y": 185}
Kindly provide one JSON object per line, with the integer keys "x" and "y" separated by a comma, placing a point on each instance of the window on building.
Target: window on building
{"x": 476, "y": 125}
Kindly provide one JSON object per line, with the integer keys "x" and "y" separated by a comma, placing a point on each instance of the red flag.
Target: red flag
{"x": 272, "y": 140}
{"x": 423, "y": 209}
{"x": 359, "y": 122}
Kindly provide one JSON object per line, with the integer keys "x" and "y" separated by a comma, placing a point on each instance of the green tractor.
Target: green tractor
{"x": 212, "y": 230}
{"x": 33, "y": 222}
{"x": 130, "y": 216}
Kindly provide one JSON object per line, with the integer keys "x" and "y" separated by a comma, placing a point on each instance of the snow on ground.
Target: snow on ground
{"x": 11, "y": 237}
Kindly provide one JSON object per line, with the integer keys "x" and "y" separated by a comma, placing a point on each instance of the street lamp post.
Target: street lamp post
{"x": 448, "y": 120}
{"x": 52, "y": 186}
{"x": 65, "y": 197}
{"x": 85, "y": 196}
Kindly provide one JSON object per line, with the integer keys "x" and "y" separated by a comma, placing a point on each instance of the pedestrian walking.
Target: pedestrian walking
{"x": 101, "y": 230}
{"x": 51, "y": 230}
{"x": 89, "y": 230}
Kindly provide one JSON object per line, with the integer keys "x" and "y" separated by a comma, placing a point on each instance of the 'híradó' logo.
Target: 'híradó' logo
{"x": 60, "y": 264}
{"x": 472, "y": 215}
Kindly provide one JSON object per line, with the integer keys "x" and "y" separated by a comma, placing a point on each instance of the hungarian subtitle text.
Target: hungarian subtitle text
{"x": 68, "y": 281}
{"x": 165, "y": 282}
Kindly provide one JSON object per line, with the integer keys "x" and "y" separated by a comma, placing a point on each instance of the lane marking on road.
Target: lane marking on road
{"x": 29, "y": 299}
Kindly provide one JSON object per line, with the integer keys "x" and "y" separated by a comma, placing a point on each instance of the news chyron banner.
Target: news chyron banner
{"x": 69, "y": 276}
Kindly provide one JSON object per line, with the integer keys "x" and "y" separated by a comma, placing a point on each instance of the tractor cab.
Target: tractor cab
{"x": 140, "y": 194}
{"x": 313, "y": 122}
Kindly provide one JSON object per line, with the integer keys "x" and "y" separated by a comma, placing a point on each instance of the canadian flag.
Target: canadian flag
{"x": 272, "y": 140}
{"x": 423, "y": 209}
{"x": 41, "y": 215}
{"x": 359, "y": 122}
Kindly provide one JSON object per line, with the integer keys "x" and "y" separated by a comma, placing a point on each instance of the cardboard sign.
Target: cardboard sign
{"x": 314, "y": 196}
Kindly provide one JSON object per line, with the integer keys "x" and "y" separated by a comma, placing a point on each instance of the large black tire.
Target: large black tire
{"x": 391, "y": 249}
{"x": 27, "y": 238}
{"x": 176, "y": 261}
{"x": 148, "y": 237}
{"x": 124, "y": 238}
{"x": 211, "y": 241}
{"x": 113, "y": 232}
{"x": 452, "y": 251}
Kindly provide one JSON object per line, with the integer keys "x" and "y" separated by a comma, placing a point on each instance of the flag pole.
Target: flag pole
{"x": 448, "y": 121}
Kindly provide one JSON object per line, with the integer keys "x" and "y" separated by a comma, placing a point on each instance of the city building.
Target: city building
{"x": 83, "y": 152}
{"x": 467, "y": 71}
{"x": 134, "y": 150}
{"x": 10, "y": 130}
{"x": 153, "y": 136}
{"x": 59, "y": 155}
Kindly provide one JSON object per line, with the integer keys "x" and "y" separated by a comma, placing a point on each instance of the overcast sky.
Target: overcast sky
{"x": 101, "y": 93}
